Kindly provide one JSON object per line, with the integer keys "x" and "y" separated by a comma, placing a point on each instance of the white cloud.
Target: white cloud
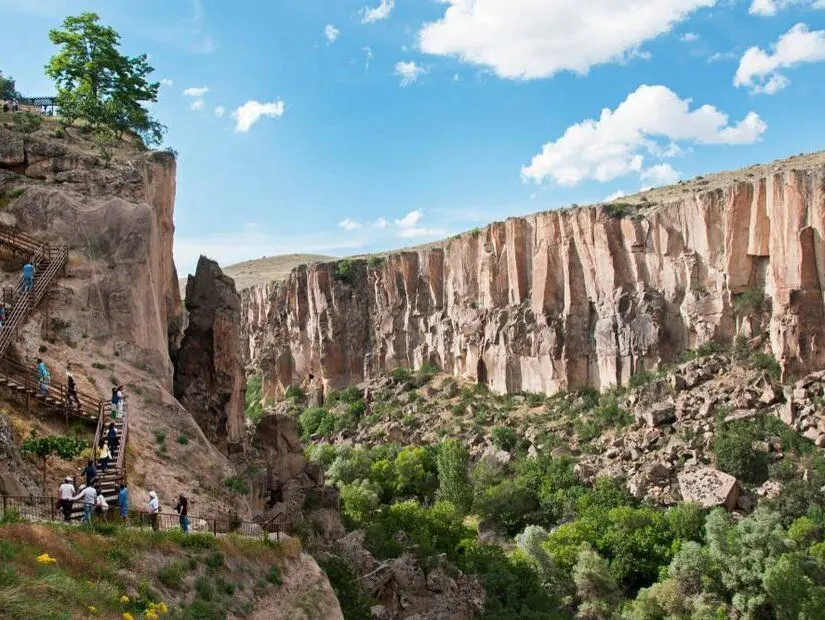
{"x": 196, "y": 105}
{"x": 409, "y": 72}
{"x": 166, "y": 82}
{"x": 689, "y": 37}
{"x": 368, "y": 58}
{"x": 615, "y": 196}
{"x": 416, "y": 233}
{"x": 196, "y": 91}
{"x": 349, "y": 224}
{"x": 380, "y": 223}
{"x": 251, "y": 112}
{"x": 769, "y": 8}
{"x": 331, "y": 33}
{"x": 411, "y": 219}
{"x": 381, "y": 12}
{"x": 220, "y": 110}
{"x": 759, "y": 70}
{"x": 528, "y": 39}
{"x": 612, "y": 146}
{"x": 660, "y": 174}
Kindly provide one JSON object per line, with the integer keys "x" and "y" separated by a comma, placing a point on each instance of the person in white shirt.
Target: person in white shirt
{"x": 101, "y": 505}
{"x": 67, "y": 492}
{"x": 154, "y": 509}
{"x": 89, "y": 497}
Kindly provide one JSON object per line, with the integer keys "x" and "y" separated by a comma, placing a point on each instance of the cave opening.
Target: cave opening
{"x": 481, "y": 372}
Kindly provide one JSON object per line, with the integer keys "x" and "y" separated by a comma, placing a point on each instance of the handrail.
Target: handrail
{"x": 121, "y": 453}
{"x": 15, "y": 371}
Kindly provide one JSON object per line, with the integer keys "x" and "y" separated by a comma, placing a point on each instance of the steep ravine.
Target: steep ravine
{"x": 587, "y": 295}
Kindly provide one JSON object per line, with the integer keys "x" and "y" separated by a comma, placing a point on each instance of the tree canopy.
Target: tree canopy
{"x": 67, "y": 448}
{"x": 99, "y": 85}
{"x": 7, "y": 87}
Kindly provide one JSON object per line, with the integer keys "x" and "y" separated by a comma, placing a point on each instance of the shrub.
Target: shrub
{"x": 763, "y": 361}
{"x": 749, "y": 301}
{"x": 416, "y": 473}
{"x": 160, "y": 435}
{"x": 26, "y": 122}
{"x": 345, "y": 271}
{"x": 183, "y": 439}
{"x": 236, "y": 485}
{"x": 735, "y": 454}
{"x": 295, "y": 392}
{"x": 504, "y": 438}
{"x": 253, "y": 398}
{"x": 171, "y": 575}
{"x": 274, "y": 576}
{"x": 620, "y": 209}
{"x": 640, "y": 379}
{"x": 345, "y": 584}
{"x": 359, "y": 499}
{"x": 313, "y": 420}
{"x": 375, "y": 261}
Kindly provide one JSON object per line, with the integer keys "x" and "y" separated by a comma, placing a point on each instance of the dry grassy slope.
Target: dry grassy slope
{"x": 264, "y": 270}
{"x": 198, "y": 576}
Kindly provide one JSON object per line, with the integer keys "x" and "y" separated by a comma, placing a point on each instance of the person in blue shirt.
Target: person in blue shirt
{"x": 28, "y": 276}
{"x": 43, "y": 375}
{"x": 123, "y": 502}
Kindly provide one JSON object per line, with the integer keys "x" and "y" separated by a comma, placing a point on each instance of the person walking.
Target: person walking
{"x": 90, "y": 472}
{"x": 182, "y": 508}
{"x": 123, "y": 502}
{"x": 89, "y": 497}
{"x": 2, "y": 314}
{"x": 71, "y": 392}
{"x": 120, "y": 401}
{"x": 111, "y": 438}
{"x": 67, "y": 492}
{"x": 103, "y": 456}
{"x": 28, "y": 277}
{"x": 43, "y": 376}
{"x": 154, "y": 509}
{"x": 115, "y": 403}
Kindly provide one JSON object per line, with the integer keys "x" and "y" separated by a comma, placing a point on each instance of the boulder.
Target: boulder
{"x": 709, "y": 488}
{"x": 660, "y": 414}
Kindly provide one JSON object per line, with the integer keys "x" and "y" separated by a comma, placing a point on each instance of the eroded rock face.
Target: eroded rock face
{"x": 291, "y": 479}
{"x": 563, "y": 298}
{"x": 209, "y": 375}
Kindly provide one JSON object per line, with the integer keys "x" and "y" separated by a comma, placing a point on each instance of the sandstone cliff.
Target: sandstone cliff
{"x": 570, "y": 297}
{"x": 113, "y": 317}
{"x": 209, "y": 375}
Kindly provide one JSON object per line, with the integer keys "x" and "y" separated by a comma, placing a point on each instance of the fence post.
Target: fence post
{"x": 215, "y": 527}
{"x": 5, "y": 504}
{"x": 51, "y": 503}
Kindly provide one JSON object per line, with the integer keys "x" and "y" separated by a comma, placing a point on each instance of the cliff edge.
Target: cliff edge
{"x": 582, "y": 296}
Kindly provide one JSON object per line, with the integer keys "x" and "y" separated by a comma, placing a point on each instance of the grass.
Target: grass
{"x": 183, "y": 439}
{"x": 91, "y": 569}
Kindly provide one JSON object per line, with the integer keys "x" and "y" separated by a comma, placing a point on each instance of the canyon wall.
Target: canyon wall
{"x": 565, "y": 298}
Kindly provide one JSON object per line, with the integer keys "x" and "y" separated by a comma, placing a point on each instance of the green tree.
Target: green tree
{"x": 98, "y": 84}
{"x": 44, "y": 448}
{"x": 453, "y": 461}
{"x": 7, "y": 88}
{"x": 415, "y": 471}
{"x": 595, "y": 586}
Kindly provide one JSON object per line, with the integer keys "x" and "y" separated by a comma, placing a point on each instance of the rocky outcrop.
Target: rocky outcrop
{"x": 558, "y": 299}
{"x": 291, "y": 480}
{"x": 209, "y": 373}
{"x": 17, "y": 477}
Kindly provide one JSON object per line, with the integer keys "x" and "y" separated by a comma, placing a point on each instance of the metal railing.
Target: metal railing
{"x": 42, "y": 508}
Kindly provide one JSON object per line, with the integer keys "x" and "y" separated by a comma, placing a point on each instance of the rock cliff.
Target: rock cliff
{"x": 587, "y": 295}
{"x": 117, "y": 312}
{"x": 209, "y": 372}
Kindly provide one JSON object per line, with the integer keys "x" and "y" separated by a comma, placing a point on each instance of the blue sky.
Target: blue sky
{"x": 357, "y": 125}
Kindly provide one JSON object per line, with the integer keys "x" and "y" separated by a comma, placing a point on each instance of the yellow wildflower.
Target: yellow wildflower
{"x": 124, "y": 599}
{"x": 162, "y": 608}
{"x": 151, "y": 615}
{"x": 45, "y": 558}
{"x": 92, "y": 610}
{"x": 127, "y": 616}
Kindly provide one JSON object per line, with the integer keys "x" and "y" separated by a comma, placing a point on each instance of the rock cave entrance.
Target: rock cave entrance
{"x": 481, "y": 372}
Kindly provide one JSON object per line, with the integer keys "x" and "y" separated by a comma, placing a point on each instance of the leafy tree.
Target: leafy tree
{"x": 415, "y": 471}
{"x": 736, "y": 455}
{"x": 595, "y": 586}
{"x": 98, "y": 84}
{"x": 359, "y": 499}
{"x": 504, "y": 438}
{"x": 62, "y": 446}
{"x": 253, "y": 397}
{"x": 7, "y": 87}
{"x": 453, "y": 460}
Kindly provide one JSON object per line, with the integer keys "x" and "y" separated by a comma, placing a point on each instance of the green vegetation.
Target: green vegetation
{"x": 69, "y": 572}
{"x": 26, "y": 122}
{"x": 7, "y": 87}
{"x": 749, "y": 301}
{"x": 253, "y": 399}
{"x": 100, "y": 86}
{"x": 375, "y": 261}
{"x": 295, "y": 392}
{"x": 237, "y": 485}
{"x": 620, "y": 210}
{"x": 353, "y": 603}
{"x": 345, "y": 271}
{"x": 62, "y": 446}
